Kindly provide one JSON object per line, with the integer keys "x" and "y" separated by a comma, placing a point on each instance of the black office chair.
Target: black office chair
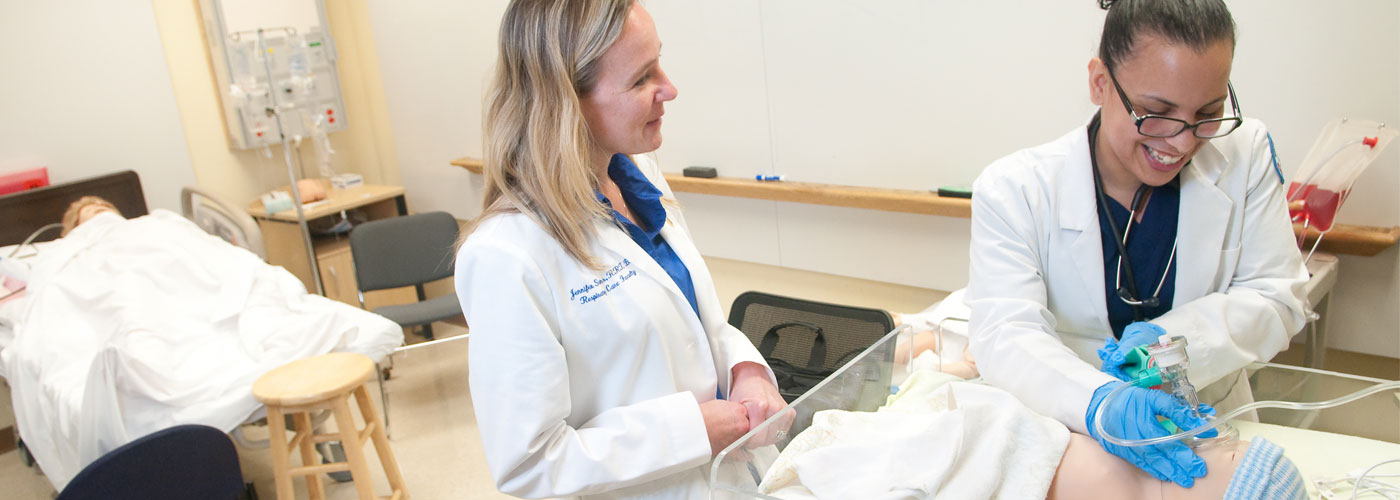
{"x": 194, "y": 462}
{"x": 406, "y": 251}
{"x": 808, "y": 339}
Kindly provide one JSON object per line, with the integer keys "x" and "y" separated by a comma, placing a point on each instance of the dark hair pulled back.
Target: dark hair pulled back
{"x": 1195, "y": 23}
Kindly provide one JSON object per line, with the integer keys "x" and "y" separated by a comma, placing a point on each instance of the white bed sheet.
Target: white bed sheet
{"x": 1324, "y": 454}
{"x": 131, "y": 326}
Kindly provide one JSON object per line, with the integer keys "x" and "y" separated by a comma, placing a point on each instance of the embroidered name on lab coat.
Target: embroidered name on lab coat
{"x": 609, "y": 281}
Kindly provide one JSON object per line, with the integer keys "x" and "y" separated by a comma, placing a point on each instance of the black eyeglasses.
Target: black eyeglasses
{"x": 1162, "y": 126}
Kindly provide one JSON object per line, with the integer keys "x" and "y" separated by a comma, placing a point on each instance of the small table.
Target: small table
{"x": 1322, "y": 275}
{"x": 286, "y": 248}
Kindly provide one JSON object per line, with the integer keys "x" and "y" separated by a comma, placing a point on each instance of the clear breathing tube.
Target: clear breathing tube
{"x": 1220, "y": 420}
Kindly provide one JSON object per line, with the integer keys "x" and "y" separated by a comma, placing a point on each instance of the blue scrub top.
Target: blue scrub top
{"x": 1149, "y": 248}
{"x": 645, "y": 201}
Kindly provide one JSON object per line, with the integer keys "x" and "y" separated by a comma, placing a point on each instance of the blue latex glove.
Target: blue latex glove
{"x": 1132, "y": 414}
{"x": 1114, "y": 353}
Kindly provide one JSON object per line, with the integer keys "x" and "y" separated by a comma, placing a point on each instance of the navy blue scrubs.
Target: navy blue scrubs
{"x": 1149, "y": 250}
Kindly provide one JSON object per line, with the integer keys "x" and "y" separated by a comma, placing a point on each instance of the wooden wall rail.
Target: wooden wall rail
{"x": 1343, "y": 239}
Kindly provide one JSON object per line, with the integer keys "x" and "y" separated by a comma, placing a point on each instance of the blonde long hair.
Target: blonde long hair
{"x": 537, "y": 144}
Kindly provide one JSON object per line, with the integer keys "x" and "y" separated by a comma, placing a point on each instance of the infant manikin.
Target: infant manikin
{"x": 1087, "y": 471}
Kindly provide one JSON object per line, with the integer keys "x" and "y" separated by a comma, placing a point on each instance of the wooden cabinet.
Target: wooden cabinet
{"x": 286, "y": 247}
{"x": 338, "y": 272}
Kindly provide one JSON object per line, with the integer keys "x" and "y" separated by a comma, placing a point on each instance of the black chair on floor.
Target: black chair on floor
{"x": 194, "y": 462}
{"x": 410, "y": 250}
{"x": 407, "y": 251}
{"x": 803, "y": 340}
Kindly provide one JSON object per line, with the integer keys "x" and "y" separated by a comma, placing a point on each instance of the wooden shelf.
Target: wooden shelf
{"x": 472, "y": 164}
{"x": 1343, "y": 239}
{"x": 1352, "y": 240}
{"x": 889, "y": 200}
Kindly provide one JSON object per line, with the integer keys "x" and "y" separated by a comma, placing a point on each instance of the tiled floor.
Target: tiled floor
{"x": 434, "y": 432}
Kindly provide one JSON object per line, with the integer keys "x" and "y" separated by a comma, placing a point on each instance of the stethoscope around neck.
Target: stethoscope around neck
{"x": 1129, "y": 293}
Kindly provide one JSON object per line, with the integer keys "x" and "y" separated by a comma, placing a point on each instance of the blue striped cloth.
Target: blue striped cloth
{"x": 1265, "y": 474}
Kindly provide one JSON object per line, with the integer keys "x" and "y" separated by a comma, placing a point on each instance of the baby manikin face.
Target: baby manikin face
{"x": 1221, "y": 462}
{"x": 1087, "y": 471}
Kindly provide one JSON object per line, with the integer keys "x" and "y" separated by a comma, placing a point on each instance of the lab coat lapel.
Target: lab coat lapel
{"x": 705, "y": 298}
{"x": 1200, "y": 226}
{"x": 1079, "y": 224}
{"x": 617, "y": 241}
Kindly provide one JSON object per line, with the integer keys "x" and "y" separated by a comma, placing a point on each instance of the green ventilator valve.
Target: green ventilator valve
{"x": 1145, "y": 374}
{"x": 1138, "y": 365}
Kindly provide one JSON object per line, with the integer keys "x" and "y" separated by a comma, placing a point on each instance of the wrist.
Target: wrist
{"x": 747, "y": 370}
{"x": 1094, "y": 401}
{"x": 1142, "y": 332}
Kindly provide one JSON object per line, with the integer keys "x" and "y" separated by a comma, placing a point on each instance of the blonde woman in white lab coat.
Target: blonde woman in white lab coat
{"x": 601, "y": 364}
{"x": 1169, "y": 165}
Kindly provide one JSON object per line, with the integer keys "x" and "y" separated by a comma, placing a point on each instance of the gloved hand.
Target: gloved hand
{"x": 1132, "y": 414}
{"x": 1114, "y": 353}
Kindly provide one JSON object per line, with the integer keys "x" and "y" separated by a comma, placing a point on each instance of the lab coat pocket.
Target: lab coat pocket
{"x": 1229, "y": 260}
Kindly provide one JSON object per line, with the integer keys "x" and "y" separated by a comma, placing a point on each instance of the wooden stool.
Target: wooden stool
{"x": 324, "y": 383}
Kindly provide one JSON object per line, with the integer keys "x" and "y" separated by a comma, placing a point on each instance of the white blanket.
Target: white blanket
{"x": 936, "y": 439}
{"x": 132, "y": 326}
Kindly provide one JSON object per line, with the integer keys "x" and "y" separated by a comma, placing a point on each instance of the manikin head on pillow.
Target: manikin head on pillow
{"x": 83, "y": 209}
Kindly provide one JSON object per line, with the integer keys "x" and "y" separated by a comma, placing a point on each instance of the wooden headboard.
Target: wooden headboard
{"x": 26, "y": 211}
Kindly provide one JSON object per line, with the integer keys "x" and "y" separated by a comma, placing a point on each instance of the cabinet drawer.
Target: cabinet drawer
{"x": 338, "y": 276}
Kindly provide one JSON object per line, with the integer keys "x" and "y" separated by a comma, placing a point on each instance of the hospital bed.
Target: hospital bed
{"x": 131, "y": 326}
{"x": 1324, "y": 444}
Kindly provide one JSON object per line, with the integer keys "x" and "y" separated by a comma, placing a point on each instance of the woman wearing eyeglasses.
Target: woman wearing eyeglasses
{"x": 1161, "y": 215}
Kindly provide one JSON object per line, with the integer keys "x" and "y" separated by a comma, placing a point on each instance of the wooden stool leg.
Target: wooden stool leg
{"x": 354, "y": 447}
{"x": 314, "y": 489}
{"x": 381, "y": 442}
{"x": 277, "y": 441}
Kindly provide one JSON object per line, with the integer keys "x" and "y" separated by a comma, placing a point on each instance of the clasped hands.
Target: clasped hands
{"x": 752, "y": 399}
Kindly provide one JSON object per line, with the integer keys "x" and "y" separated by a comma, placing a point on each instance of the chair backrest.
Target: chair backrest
{"x": 194, "y": 462}
{"x": 403, "y": 251}
{"x": 846, "y": 330}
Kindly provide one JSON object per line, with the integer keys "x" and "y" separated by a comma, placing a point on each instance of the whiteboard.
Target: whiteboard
{"x": 903, "y": 94}
{"x": 916, "y": 94}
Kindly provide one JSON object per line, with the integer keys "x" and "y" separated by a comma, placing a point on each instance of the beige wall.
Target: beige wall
{"x": 838, "y": 92}
{"x": 84, "y": 91}
{"x": 366, "y": 147}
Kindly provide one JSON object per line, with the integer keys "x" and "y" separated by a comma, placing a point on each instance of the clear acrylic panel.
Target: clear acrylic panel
{"x": 863, "y": 384}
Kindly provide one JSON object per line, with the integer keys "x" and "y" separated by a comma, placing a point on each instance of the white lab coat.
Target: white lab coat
{"x": 1036, "y": 288}
{"x": 588, "y": 382}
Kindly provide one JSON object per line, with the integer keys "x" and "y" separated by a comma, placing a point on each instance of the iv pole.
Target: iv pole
{"x": 276, "y": 111}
